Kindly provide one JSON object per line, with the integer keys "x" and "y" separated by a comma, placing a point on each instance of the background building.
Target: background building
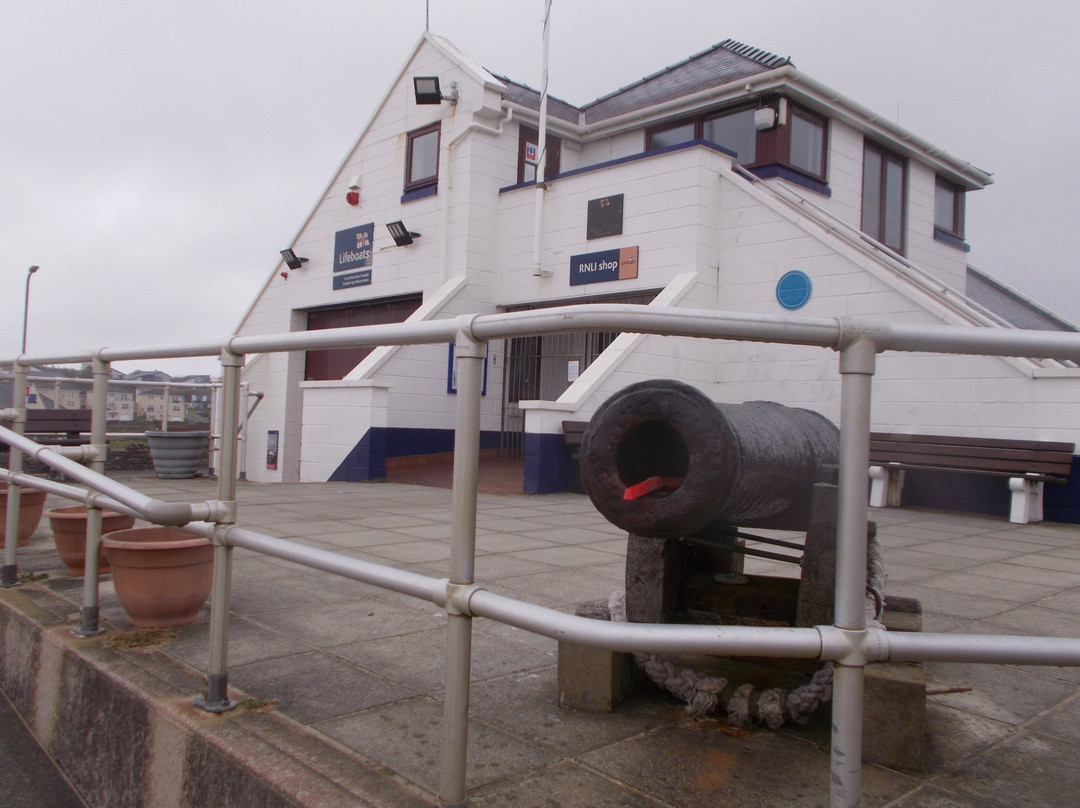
{"x": 730, "y": 181}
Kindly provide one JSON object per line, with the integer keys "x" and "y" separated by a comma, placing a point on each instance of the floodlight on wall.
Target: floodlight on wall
{"x": 427, "y": 91}
{"x": 402, "y": 236}
{"x": 291, "y": 259}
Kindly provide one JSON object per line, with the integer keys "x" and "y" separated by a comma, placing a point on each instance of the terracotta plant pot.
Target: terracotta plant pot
{"x": 162, "y": 575}
{"x": 69, "y": 533}
{"x": 31, "y": 504}
{"x": 177, "y": 455}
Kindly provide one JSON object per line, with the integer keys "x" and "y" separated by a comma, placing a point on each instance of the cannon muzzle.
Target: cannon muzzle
{"x": 661, "y": 459}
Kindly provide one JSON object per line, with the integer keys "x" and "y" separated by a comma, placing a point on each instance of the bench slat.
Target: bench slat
{"x": 1046, "y": 459}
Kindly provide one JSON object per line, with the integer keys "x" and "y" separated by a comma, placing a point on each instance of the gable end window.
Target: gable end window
{"x": 884, "y": 196}
{"x": 948, "y": 209}
{"x": 422, "y": 158}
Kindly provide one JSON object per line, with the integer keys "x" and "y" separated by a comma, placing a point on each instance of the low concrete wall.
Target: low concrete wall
{"x": 122, "y": 726}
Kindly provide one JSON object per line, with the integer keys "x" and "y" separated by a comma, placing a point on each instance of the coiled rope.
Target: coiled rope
{"x": 744, "y": 705}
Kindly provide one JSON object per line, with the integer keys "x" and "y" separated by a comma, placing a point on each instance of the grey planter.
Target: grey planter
{"x": 177, "y": 455}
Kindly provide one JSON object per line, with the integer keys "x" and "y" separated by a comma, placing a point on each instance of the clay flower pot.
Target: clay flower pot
{"x": 69, "y": 533}
{"x": 177, "y": 455}
{"x": 162, "y": 575}
{"x": 31, "y": 504}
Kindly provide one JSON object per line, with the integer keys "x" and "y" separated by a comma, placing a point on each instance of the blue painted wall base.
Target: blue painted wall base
{"x": 547, "y": 464}
{"x": 367, "y": 460}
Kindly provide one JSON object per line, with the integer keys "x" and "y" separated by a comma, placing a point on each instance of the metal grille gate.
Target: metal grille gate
{"x": 544, "y": 367}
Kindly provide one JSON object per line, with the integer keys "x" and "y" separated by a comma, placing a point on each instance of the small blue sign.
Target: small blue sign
{"x": 793, "y": 289}
{"x": 352, "y": 247}
{"x": 361, "y": 278}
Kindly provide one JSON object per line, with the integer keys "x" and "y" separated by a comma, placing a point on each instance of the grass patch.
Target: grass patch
{"x": 27, "y": 577}
{"x": 141, "y": 638}
{"x": 256, "y": 704}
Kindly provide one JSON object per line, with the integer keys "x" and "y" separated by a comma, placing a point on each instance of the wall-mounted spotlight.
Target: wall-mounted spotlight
{"x": 402, "y": 236}
{"x": 426, "y": 89}
{"x": 291, "y": 259}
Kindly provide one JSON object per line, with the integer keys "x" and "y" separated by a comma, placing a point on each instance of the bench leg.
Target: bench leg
{"x": 886, "y": 486}
{"x": 1027, "y": 501}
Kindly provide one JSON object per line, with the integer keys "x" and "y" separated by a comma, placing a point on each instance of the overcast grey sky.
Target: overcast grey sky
{"x": 157, "y": 155}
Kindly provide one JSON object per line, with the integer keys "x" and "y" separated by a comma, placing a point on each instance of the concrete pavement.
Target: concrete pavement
{"x": 356, "y": 673}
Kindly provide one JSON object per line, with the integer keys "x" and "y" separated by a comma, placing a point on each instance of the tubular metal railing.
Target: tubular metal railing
{"x": 848, "y": 643}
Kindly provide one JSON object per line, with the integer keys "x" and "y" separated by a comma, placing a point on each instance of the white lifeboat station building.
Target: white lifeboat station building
{"x": 730, "y": 181}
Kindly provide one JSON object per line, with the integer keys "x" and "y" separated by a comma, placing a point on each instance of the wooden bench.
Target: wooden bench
{"x": 58, "y": 427}
{"x": 572, "y": 434}
{"x": 1027, "y": 463}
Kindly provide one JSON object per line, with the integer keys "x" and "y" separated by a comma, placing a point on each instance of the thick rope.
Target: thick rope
{"x": 743, "y": 705}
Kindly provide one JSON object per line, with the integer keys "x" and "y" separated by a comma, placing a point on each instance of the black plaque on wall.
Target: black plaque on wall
{"x": 605, "y": 217}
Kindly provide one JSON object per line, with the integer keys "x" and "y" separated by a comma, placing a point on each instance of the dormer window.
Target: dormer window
{"x": 884, "y": 196}
{"x": 806, "y": 150}
{"x": 948, "y": 209}
{"x": 798, "y": 143}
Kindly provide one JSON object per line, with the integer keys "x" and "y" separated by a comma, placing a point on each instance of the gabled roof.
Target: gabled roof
{"x": 1010, "y": 305}
{"x": 723, "y": 63}
{"x": 720, "y": 64}
{"x": 526, "y": 96}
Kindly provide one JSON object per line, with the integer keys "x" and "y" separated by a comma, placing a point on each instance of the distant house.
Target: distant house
{"x": 730, "y": 181}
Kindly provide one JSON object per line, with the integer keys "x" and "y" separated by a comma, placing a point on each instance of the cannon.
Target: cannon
{"x": 686, "y": 478}
{"x": 662, "y": 460}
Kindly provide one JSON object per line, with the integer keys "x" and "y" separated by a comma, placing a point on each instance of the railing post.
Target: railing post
{"x": 99, "y": 400}
{"x": 469, "y": 354}
{"x": 216, "y": 699}
{"x": 9, "y": 573}
{"x": 857, "y": 361}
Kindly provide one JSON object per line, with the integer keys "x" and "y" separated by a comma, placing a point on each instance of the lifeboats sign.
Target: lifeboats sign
{"x": 608, "y": 265}
{"x": 352, "y": 247}
{"x": 352, "y": 250}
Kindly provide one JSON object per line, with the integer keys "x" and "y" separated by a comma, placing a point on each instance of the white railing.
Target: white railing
{"x": 848, "y": 642}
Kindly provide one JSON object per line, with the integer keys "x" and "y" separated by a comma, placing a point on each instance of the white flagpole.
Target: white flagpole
{"x": 541, "y": 165}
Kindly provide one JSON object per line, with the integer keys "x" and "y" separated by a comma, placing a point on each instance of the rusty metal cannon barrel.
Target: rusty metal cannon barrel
{"x": 661, "y": 459}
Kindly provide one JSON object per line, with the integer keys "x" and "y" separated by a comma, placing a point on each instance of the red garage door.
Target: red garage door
{"x": 326, "y": 365}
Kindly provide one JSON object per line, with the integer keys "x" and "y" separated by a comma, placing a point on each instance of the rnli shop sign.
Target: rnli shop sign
{"x": 608, "y": 265}
{"x": 352, "y": 250}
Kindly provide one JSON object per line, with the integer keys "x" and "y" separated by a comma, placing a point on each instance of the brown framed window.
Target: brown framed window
{"x": 735, "y": 131}
{"x": 422, "y": 157}
{"x": 884, "y": 196}
{"x": 672, "y": 134}
{"x": 529, "y": 154}
{"x": 800, "y": 144}
{"x": 949, "y": 208}
{"x": 807, "y": 141}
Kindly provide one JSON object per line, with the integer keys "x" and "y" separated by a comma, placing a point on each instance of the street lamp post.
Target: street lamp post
{"x": 26, "y": 303}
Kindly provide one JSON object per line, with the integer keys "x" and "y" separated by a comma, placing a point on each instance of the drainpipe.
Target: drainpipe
{"x": 538, "y": 224}
{"x": 448, "y": 181}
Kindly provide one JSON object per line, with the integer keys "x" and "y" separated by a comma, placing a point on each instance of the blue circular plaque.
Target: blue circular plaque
{"x": 793, "y": 289}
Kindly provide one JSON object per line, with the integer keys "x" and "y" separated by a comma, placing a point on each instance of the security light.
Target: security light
{"x": 427, "y": 91}
{"x": 291, "y": 259}
{"x": 402, "y": 236}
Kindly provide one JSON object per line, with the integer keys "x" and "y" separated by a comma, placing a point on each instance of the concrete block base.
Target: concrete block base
{"x": 122, "y": 726}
